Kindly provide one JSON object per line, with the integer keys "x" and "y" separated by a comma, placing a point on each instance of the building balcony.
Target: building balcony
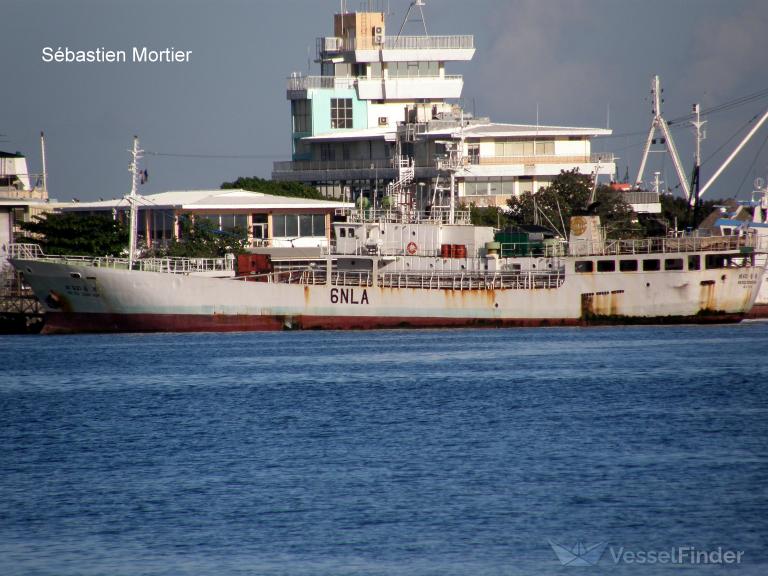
{"x": 397, "y": 88}
{"x": 601, "y": 158}
{"x": 400, "y": 48}
{"x": 327, "y": 170}
{"x": 410, "y": 88}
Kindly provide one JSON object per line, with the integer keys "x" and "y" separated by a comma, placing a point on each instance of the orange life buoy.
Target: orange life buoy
{"x": 412, "y": 248}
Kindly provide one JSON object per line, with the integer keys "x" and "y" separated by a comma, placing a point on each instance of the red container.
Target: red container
{"x": 459, "y": 251}
{"x": 446, "y": 251}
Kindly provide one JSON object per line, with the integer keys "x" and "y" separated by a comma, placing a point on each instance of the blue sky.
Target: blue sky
{"x": 580, "y": 62}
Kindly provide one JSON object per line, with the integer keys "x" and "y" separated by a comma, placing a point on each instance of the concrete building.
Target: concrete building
{"x": 383, "y": 113}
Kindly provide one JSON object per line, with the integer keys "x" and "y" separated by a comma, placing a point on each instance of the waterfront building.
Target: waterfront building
{"x": 385, "y": 111}
{"x": 269, "y": 220}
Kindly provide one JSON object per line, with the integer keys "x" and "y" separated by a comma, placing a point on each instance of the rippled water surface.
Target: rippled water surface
{"x": 393, "y": 452}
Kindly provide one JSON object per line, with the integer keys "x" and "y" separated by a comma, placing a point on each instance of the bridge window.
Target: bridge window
{"x": 694, "y": 262}
{"x": 628, "y": 265}
{"x": 606, "y": 266}
{"x": 673, "y": 264}
{"x": 651, "y": 265}
{"x": 584, "y": 266}
{"x": 714, "y": 261}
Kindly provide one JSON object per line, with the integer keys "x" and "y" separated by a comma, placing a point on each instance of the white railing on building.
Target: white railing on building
{"x": 602, "y": 158}
{"x": 456, "y": 42}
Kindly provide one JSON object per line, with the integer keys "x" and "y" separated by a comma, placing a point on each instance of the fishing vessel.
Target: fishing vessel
{"x": 387, "y": 271}
{"x": 376, "y": 128}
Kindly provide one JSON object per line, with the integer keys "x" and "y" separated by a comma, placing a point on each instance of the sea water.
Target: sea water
{"x": 446, "y": 452}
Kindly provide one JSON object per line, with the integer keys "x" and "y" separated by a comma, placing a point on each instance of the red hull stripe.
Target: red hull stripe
{"x": 58, "y": 323}
{"x": 758, "y": 311}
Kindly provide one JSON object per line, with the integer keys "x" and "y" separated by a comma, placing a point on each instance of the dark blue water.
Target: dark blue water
{"x": 393, "y": 452}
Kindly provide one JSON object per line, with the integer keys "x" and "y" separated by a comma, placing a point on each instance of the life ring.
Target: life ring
{"x": 412, "y": 248}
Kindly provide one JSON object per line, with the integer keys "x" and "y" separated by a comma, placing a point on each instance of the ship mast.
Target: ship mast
{"x": 696, "y": 176}
{"x": 132, "y": 199}
{"x": 660, "y": 123}
{"x": 45, "y": 169}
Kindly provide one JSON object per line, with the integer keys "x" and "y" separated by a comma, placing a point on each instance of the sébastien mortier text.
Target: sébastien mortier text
{"x": 137, "y": 54}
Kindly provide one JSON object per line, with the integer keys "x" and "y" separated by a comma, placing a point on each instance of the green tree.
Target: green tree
{"x": 200, "y": 239}
{"x": 569, "y": 195}
{"x": 76, "y": 233}
{"x": 487, "y": 216}
{"x": 276, "y": 188}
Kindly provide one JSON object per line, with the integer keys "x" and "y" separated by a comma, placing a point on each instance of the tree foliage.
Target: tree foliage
{"x": 292, "y": 189}
{"x": 567, "y": 196}
{"x": 487, "y": 216}
{"x": 76, "y": 234}
{"x": 200, "y": 239}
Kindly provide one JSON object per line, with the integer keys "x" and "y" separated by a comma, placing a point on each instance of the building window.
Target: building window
{"x": 341, "y": 112}
{"x": 507, "y": 148}
{"x": 413, "y": 69}
{"x": 301, "y": 112}
{"x": 327, "y": 152}
{"x": 473, "y": 152}
{"x": 298, "y": 225}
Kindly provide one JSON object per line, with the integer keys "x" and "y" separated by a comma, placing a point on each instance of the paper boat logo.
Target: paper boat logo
{"x": 580, "y": 554}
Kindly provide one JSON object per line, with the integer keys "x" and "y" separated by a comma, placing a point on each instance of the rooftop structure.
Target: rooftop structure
{"x": 382, "y": 119}
{"x": 268, "y": 219}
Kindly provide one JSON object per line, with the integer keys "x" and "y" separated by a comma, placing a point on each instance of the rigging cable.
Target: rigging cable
{"x": 752, "y": 165}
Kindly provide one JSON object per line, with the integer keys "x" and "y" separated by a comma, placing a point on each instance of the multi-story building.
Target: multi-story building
{"x": 384, "y": 102}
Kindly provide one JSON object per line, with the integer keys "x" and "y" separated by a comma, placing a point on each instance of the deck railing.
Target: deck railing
{"x": 424, "y": 280}
{"x": 166, "y": 265}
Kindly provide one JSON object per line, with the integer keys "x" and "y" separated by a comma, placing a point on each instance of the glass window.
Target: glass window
{"x": 673, "y": 264}
{"x": 651, "y": 265}
{"x": 584, "y": 266}
{"x": 301, "y": 112}
{"x": 318, "y": 225}
{"x": 305, "y": 225}
{"x": 291, "y": 225}
{"x": 606, "y": 266}
{"x": 278, "y": 224}
{"x": 525, "y": 184}
{"x": 694, "y": 262}
{"x": 545, "y": 148}
{"x": 341, "y": 112}
{"x": 628, "y": 265}
{"x": 716, "y": 261}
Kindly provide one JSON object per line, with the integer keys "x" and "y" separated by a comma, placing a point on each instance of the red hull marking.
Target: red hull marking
{"x": 63, "y": 323}
{"x": 758, "y": 311}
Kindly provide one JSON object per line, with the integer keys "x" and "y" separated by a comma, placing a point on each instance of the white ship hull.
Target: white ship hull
{"x": 82, "y": 298}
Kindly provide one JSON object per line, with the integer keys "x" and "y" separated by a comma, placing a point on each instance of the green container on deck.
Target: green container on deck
{"x": 517, "y": 244}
